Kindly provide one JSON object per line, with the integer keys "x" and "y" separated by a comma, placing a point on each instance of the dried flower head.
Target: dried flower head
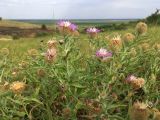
{"x": 145, "y": 46}
{"x": 23, "y": 64}
{"x": 41, "y": 73}
{"x": 157, "y": 46}
{"x": 4, "y": 86}
{"x": 135, "y": 82}
{"x": 133, "y": 52}
{"x": 139, "y": 111}
{"x": 18, "y": 87}
{"x": 103, "y": 54}
{"x": 4, "y": 51}
{"x": 33, "y": 53}
{"x": 128, "y": 37}
{"x": 138, "y": 83}
{"x": 51, "y": 55}
{"x": 116, "y": 42}
{"x": 66, "y": 112}
{"x": 141, "y": 28}
{"x": 51, "y": 43}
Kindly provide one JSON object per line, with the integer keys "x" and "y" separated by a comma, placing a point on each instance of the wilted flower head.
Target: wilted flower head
{"x": 116, "y": 42}
{"x": 51, "y": 43}
{"x": 128, "y": 37}
{"x": 32, "y": 52}
{"x": 51, "y": 55}
{"x": 157, "y": 46}
{"x": 93, "y": 30}
{"x": 41, "y": 72}
{"x": 138, "y": 83}
{"x": 139, "y": 111}
{"x": 4, "y": 51}
{"x": 23, "y": 64}
{"x": 103, "y": 54}
{"x": 145, "y": 46}
{"x": 141, "y": 28}
{"x": 133, "y": 52}
{"x": 18, "y": 87}
{"x": 135, "y": 82}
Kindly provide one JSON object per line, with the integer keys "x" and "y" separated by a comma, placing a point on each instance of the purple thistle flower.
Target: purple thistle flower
{"x": 63, "y": 23}
{"x": 131, "y": 78}
{"x": 93, "y": 30}
{"x": 103, "y": 54}
{"x": 73, "y": 27}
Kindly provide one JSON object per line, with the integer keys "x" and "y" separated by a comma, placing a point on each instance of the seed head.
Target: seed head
{"x": 141, "y": 28}
{"x": 18, "y": 87}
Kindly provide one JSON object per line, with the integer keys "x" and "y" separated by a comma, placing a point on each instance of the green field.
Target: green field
{"x": 77, "y": 85}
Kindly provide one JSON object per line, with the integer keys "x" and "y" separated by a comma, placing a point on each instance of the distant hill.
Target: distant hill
{"x": 24, "y": 25}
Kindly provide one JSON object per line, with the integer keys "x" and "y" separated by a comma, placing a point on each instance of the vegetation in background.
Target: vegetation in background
{"x": 154, "y": 18}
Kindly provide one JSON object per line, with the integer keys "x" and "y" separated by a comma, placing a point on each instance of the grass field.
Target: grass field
{"x": 77, "y": 85}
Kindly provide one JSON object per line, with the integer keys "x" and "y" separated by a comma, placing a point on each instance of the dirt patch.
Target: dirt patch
{"x": 32, "y": 32}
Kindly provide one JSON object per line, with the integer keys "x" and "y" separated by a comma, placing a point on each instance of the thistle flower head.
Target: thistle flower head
{"x": 103, "y": 54}
{"x": 23, "y": 64}
{"x": 135, "y": 82}
{"x": 73, "y": 27}
{"x": 18, "y": 87}
{"x": 130, "y": 78}
{"x": 141, "y": 28}
{"x": 140, "y": 106}
{"x": 117, "y": 38}
{"x": 64, "y": 23}
{"x": 4, "y": 51}
{"x": 139, "y": 111}
{"x": 116, "y": 42}
{"x": 145, "y": 46}
{"x": 32, "y": 52}
{"x": 138, "y": 83}
{"x": 66, "y": 27}
{"x": 157, "y": 46}
{"x": 51, "y": 43}
{"x": 93, "y": 30}
{"x": 133, "y": 52}
{"x": 128, "y": 37}
{"x": 51, "y": 54}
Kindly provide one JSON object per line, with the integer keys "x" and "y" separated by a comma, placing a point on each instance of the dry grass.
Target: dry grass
{"x": 7, "y": 23}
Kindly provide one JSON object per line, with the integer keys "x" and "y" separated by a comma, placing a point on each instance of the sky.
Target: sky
{"x": 77, "y": 9}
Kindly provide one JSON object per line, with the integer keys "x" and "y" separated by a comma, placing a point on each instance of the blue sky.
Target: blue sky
{"x": 77, "y": 9}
